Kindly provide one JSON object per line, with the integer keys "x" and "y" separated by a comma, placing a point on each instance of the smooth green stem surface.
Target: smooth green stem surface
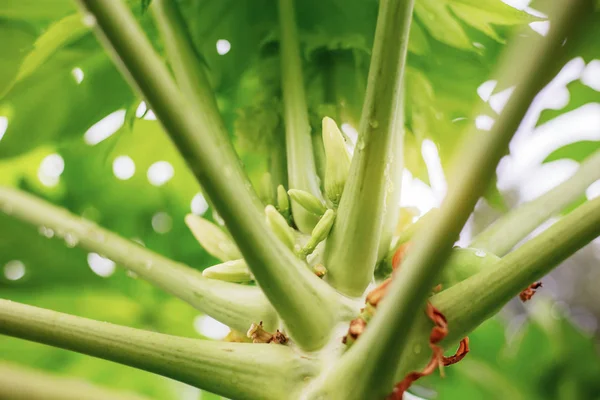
{"x": 235, "y": 305}
{"x": 305, "y": 303}
{"x": 500, "y": 237}
{"x": 469, "y": 303}
{"x": 475, "y": 299}
{"x": 236, "y": 370}
{"x": 19, "y": 383}
{"x": 353, "y": 246}
{"x": 302, "y": 172}
{"x": 367, "y": 370}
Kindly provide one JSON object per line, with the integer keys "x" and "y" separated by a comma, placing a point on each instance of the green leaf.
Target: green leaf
{"x": 441, "y": 24}
{"x": 577, "y": 151}
{"x": 63, "y": 108}
{"x": 17, "y": 40}
{"x": 32, "y": 9}
{"x": 58, "y": 35}
{"x": 439, "y": 18}
{"x": 418, "y": 42}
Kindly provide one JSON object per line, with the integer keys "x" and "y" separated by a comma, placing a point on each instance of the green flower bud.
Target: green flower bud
{"x": 280, "y": 226}
{"x": 337, "y": 160}
{"x": 320, "y": 232}
{"x": 230, "y": 271}
{"x": 283, "y": 201}
{"x": 216, "y": 242}
{"x": 309, "y": 202}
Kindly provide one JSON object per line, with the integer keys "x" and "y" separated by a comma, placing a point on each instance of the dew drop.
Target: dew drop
{"x": 132, "y": 274}
{"x": 374, "y": 123}
{"x": 417, "y": 349}
{"x": 46, "y": 232}
{"x": 71, "y": 240}
{"x": 480, "y": 253}
{"x": 148, "y": 264}
{"x": 89, "y": 20}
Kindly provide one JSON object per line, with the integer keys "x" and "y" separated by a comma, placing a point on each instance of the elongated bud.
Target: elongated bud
{"x": 309, "y": 202}
{"x": 230, "y": 271}
{"x": 320, "y": 232}
{"x": 337, "y": 160}
{"x": 267, "y": 194}
{"x": 283, "y": 202}
{"x": 216, "y": 242}
{"x": 280, "y": 226}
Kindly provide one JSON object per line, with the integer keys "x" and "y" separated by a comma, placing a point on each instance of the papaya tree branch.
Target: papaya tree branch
{"x": 500, "y": 237}
{"x": 373, "y": 182}
{"x": 304, "y": 302}
{"x": 237, "y": 370}
{"x": 302, "y": 173}
{"x": 19, "y": 383}
{"x": 469, "y": 303}
{"x": 235, "y": 305}
{"x": 490, "y": 289}
{"x": 367, "y": 369}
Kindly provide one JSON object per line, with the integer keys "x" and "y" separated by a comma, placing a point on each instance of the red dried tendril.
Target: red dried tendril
{"x": 438, "y": 333}
{"x": 528, "y": 293}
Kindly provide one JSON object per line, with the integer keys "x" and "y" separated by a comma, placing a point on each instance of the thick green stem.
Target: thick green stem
{"x": 353, "y": 246}
{"x": 237, "y": 370}
{"x": 303, "y": 301}
{"x": 302, "y": 173}
{"x": 393, "y": 188}
{"x": 469, "y": 303}
{"x": 19, "y": 383}
{"x": 500, "y": 237}
{"x": 475, "y": 299}
{"x": 235, "y": 305}
{"x": 367, "y": 370}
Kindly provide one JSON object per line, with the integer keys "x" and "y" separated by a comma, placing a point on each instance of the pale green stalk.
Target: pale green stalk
{"x": 367, "y": 370}
{"x": 469, "y": 303}
{"x": 306, "y": 305}
{"x": 235, "y": 305}
{"x": 500, "y": 237}
{"x": 237, "y": 370}
{"x": 19, "y": 383}
{"x": 302, "y": 173}
{"x": 353, "y": 246}
{"x": 485, "y": 293}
